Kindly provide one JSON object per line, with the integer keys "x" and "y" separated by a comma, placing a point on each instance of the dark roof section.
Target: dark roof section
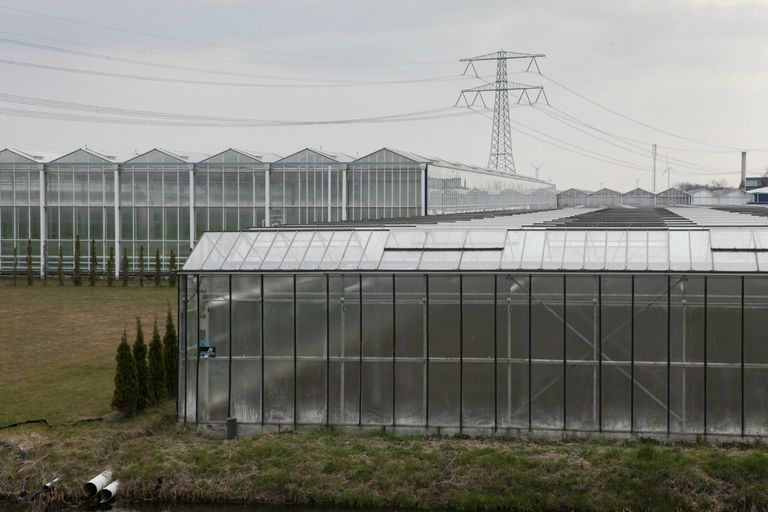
{"x": 758, "y": 211}
{"x": 416, "y": 220}
{"x": 621, "y": 218}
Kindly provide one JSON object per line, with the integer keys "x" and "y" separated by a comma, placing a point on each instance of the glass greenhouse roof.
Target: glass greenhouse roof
{"x": 711, "y": 240}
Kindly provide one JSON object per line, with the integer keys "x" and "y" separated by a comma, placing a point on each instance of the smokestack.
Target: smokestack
{"x": 743, "y": 184}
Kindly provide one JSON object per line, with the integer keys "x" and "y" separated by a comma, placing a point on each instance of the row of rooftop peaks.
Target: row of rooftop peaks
{"x": 234, "y": 156}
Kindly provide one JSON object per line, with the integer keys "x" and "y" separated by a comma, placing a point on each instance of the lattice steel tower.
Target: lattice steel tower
{"x": 501, "y": 158}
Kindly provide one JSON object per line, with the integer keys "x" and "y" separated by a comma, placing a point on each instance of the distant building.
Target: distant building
{"x": 606, "y": 198}
{"x": 718, "y": 197}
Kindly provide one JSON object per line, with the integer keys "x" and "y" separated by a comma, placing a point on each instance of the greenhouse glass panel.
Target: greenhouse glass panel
{"x": 277, "y": 251}
{"x": 444, "y": 338}
{"x": 723, "y": 370}
{"x": 478, "y": 349}
{"x": 410, "y": 350}
{"x": 279, "y": 354}
{"x": 650, "y": 354}
{"x": 316, "y": 250}
{"x": 547, "y": 355}
{"x": 616, "y": 351}
{"x": 513, "y": 250}
{"x": 582, "y": 353}
{"x": 311, "y": 343}
{"x": 335, "y": 251}
{"x": 595, "y": 251}
{"x": 246, "y": 347}
{"x": 354, "y": 251}
{"x": 686, "y": 383}
{"x": 512, "y": 346}
{"x": 259, "y": 250}
{"x": 755, "y": 356}
{"x": 436, "y": 260}
{"x": 480, "y": 260}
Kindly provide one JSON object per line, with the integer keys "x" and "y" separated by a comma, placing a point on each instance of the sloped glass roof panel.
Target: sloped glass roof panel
{"x": 297, "y": 250}
{"x": 573, "y": 252}
{"x": 658, "y": 250}
{"x": 259, "y": 250}
{"x": 335, "y": 251}
{"x": 219, "y": 251}
{"x": 594, "y": 251}
{"x": 734, "y": 261}
{"x": 400, "y": 260}
{"x": 240, "y": 250}
{"x": 439, "y": 260}
{"x": 533, "y": 249}
{"x": 762, "y": 261}
{"x": 616, "y": 250}
{"x": 201, "y": 251}
{"x": 701, "y": 254}
{"x": 277, "y": 252}
{"x": 406, "y": 239}
{"x": 637, "y": 250}
{"x": 374, "y": 250}
{"x": 679, "y": 250}
{"x": 513, "y": 250}
{"x": 554, "y": 245}
{"x": 480, "y": 260}
{"x": 316, "y": 250}
{"x": 761, "y": 238}
{"x": 485, "y": 239}
{"x": 355, "y": 249}
{"x": 731, "y": 238}
{"x": 445, "y": 239}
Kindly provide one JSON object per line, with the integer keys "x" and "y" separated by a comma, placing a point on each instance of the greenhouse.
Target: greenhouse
{"x": 162, "y": 201}
{"x": 621, "y": 321}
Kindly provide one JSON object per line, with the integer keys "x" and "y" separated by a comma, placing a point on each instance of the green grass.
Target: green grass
{"x": 58, "y": 345}
{"x": 156, "y": 462}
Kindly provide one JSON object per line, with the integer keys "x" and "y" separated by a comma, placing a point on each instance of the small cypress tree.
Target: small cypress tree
{"x": 142, "y": 372}
{"x": 172, "y": 269}
{"x": 61, "y": 267}
{"x": 15, "y": 264}
{"x": 45, "y": 264}
{"x": 30, "y": 275}
{"x": 141, "y": 265}
{"x": 124, "y": 271}
{"x": 111, "y": 267}
{"x": 171, "y": 350}
{"x": 94, "y": 264}
{"x": 157, "y": 383}
{"x": 126, "y": 396}
{"x": 158, "y": 268}
{"x": 77, "y": 278}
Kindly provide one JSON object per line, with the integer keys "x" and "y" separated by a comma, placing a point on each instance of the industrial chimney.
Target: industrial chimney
{"x": 743, "y": 184}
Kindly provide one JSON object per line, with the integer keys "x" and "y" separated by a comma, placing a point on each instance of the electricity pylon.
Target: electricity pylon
{"x": 501, "y": 158}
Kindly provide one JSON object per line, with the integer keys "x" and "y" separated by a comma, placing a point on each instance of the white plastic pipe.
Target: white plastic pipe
{"x": 49, "y": 486}
{"x": 108, "y": 493}
{"x": 97, "y": 483}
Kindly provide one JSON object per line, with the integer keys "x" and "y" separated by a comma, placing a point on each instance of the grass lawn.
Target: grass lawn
{"x": 58, "y": 345}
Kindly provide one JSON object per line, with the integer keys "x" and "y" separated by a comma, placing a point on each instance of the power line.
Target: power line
{"x": 219, "y": 72}
{"x": 210, "y": 82}
{"x": 570, "y": 121}
{"x": 641, "y": 123}
{"x": 209, "y": 44}
{"x": 181, "y": 119}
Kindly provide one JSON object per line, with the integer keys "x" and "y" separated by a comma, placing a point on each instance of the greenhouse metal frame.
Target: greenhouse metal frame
{"x": 494, "y": 326}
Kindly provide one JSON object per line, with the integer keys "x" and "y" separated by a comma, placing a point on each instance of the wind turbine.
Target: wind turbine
{"x": 537, "y": 167}
{"x": 668, "y": 172}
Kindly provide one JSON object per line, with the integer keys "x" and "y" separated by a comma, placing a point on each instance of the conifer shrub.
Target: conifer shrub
{"x": 124, "y": 270}
{"x": 157, "y": 384}
{"x": 44, "y": 263}
{"x": 60, "y": 270}
{"x": 158, "y": 268}
{"x": 77, "y": 278}
{"x": 141, "y": 266}
{"x": 172, "y": 269}
{"x": 142, "y": 371}
{"x": 93, "y": 264}
{"x": 111, "y": 267}
{"x": 30, "y": 275}
{"x": 126, "y": 395}
{"x": 15, "y": 264}
{"x": 170, "y": 354}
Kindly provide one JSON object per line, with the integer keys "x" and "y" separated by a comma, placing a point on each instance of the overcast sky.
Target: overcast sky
{"x": 696, "y": 69}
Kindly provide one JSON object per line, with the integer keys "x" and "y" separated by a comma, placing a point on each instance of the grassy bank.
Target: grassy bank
{"x": 58, "y": 345}
{"x": 157, "y": 463}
